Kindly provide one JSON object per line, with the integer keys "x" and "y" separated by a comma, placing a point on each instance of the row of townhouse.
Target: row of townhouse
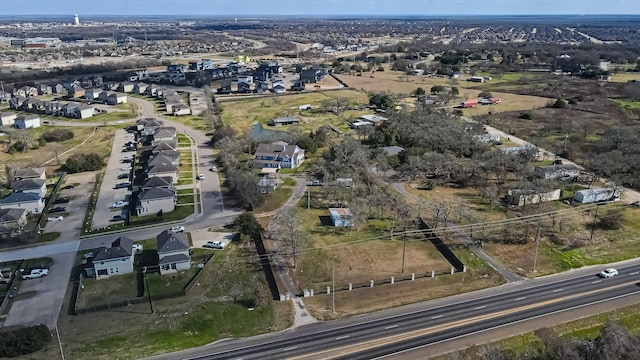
{"x": 19, "y": 121}
{"x": 28, "y": 190}
{"x": 55, "y": 108}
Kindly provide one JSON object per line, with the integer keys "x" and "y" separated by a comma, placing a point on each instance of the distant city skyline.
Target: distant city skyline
{"x": 321, "y": 7}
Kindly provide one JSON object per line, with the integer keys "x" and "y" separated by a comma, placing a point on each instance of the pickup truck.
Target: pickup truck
{"x": 33, "y": 273}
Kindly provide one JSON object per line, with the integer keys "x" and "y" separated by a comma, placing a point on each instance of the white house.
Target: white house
{"x": 155, "y": 200}
{"x": 92, "y": 94}
{"x": 7, "y": 118}
{"x": 116, "y": 98}
{"x": 173, "y": 252}
{"x": 27, "y": 122}
{"x": 278, "y": 155}
{"x": 115, "y": 260}
{"x": 84, "y": 111}
{"x": 181, "y": 109}
{"x": 559, "y": 171}
{"x": 31, "y": 202}
{"x": 34, "y": 186}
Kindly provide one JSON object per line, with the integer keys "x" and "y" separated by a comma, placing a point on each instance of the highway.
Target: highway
{"x": 387, "y": 334}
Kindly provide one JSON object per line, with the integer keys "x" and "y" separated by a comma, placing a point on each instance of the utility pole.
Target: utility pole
{"x": 333, "y": 288}
{"x": 404, "y": 247}
{"x": 593, "y": 226}
{"x": 535, "y": 258}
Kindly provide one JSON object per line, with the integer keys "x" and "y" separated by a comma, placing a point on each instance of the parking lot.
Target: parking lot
{"x": 78, "y": 197}
{"x": 202, "y": 236}
{"x": 108, "y": 194}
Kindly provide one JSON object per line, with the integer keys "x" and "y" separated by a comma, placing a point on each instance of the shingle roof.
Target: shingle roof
{"x": 8, "y": 215}
{"x": 28, "y": 172}
{"x": 27, "y": 184}
{"x": 275, "y": 150}
{"x": 156, "y": 193}
{"x": 157, "y": 181}
{"x": 17, "y": 197}
{"x": 162, "y": 146}
{"x": 174, "y": 259}
{"x": 168, "y": 242}
{"x": 121, "y": 247}
{"x": 162, "y": 168}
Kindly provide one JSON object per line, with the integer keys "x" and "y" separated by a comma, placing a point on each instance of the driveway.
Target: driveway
{"x": 108, "y": 195}
{"x": 202, "y": 236}
{"x": 40, "y": 300}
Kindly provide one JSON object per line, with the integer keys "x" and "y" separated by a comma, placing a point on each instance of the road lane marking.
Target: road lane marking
{"x": 370, "y": 344}
{"x": 520, "y": 298}
{"x": 391, "y": 327}
{"x": 595, "y": 282}
{"x": 634, "y": 273}
{"x": 436, "y": 317}
{"x": 290, "y": 348}
{"x": 479, "y": 307}
{"x": 342, "y": 337}
{"x": 557, "y": 290}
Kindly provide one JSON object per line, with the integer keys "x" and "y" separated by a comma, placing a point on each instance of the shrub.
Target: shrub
{"x": 83, "y": 162}
{"x": 58, "y": 135}
{"x": 559, "y": 104}
{"x": 24, "y": 341}
{"x": 525, "y": 116}
{"x": 573, "y": 101}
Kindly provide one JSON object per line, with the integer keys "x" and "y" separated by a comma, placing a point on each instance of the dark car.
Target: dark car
{"x": 123, "y": 176}
{"x": 122, "y": 185}
{"x": 62, "y": 200}
{"x": 120, "y": 217}
{"x": 68, "y": 187}
{"x": 127, "y": 161}
{"x": 128, "y": 150}
{"x": 58, "y": 209}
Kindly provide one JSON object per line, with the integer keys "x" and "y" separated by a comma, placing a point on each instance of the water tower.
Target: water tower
{"x": 76, "y": 20}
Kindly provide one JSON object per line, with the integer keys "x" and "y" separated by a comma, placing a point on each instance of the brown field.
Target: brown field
{"x": 625, "y": 76}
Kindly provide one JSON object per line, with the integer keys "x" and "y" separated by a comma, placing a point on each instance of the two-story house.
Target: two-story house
{"x": 156, "y": 200}
{"x": 12, "y": 222}
{"x": 173, "y": 252}
{"x": 278, "y": 155}
{"x": 34, "y": 186}
{"x": 114, "y": 260}
{"x": 31, "y": 202}
{"x": 28, "y": 173}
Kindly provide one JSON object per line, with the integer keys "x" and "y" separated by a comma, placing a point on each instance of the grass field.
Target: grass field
{"x": 625, "y": 76}
{"x": 242, "y": 114}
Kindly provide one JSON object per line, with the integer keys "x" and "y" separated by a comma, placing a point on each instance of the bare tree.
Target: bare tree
{"x": 287, "y": 224}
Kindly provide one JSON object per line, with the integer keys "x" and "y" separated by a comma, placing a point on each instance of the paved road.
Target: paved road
{"x": 431, "y": 323}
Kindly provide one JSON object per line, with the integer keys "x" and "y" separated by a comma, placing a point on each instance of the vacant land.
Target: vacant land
{"x": 242, "y": 114}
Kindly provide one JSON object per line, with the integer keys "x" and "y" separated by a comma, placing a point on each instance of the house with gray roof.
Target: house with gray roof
{"x": 558, "y": 171}
{"x": 168, "y": 133}
{"x": 158, "y": 182}
{"x": 35, "y": 186}
{"x": 278, "y": 155}
{"x": 28, "y": 173}
{"x": 156, "y": 200}
{"x": 12, "y": 222}
{"x": 164, "y": 146}
{"x": 31, "y": 202}
{"x": 173, "y": 252}
{"x": 167, "y": 170}
{"x": 162, "y": 158}
{"x": 114, "y": 260}
{"x": 27, "y": 122}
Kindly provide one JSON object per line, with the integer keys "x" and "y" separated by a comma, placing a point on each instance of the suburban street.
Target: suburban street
{"x": 392, "y": 332}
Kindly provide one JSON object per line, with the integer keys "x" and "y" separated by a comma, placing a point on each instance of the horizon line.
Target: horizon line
{"x": 322, "y": 15}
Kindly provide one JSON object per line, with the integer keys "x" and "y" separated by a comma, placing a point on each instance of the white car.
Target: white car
{"x": 125, "y": 168}
{"x": 214, "y": 169}
{"x": 55, "y": 218}
{"x": 137, "y": 248}
{"x": 119, "y": 204}
{"x": 607, "y": 273}
{"x": 177, "y": 229}
{"x": 201, "y": 177}
{"x": 214, "y": 244}
{"x": 88, "y": 255}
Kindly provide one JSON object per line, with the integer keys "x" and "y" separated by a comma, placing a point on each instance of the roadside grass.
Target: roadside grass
{"x": 274, "y": 200}
{"x": 111, "y": 116}
{"x": 48, "y": 236}
{"x": 185, "y": 192}
{"x": 185, "y": 180}
{"x": 47, "y": 261}
{"x": 207, "y": 314}
{"x": 182, "y": 138}
{"x": 193, "y": 121}
{"x": 185, "y": 199}
{"x": 287, "y": 181}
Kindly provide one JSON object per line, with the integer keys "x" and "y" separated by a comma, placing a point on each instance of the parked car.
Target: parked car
{"x": 177, "y": 228}
{"x": 214, "y": 169}
{"x": 635, "y": 203}
{"x": 62, "y": 200}
{"x": 33, "y": 273}
{"x": 200, "y": 177}
{"x": 315, "y": 183}
{"x": 128, "y": 149}
{"x": 88, "y": 255}
{"x": 121, "y": 185}
{"x": 607, "y": 273}
{"x": 58, "y": 209}
{"x": 55, "y": 218}
{"x": 127, "y": 161}
{"x": 68, "y": 187}
{"x": 123, "y": 176}
{"x": 120, "y": 217}
{"x": 214, "y": 244}
{"x": 126, "y": 168}
{"x": 119, "y": 204}
{"x": 137, "y": 248}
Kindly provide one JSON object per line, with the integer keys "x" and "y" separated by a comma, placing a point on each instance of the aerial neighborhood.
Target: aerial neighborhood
{"x": 375, "y": 186}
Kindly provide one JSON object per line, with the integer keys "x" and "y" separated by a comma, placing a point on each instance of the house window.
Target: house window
{"x": 101, "y": 262}
{"x": 117, "y": 270}
{"x": 110, "y": 270}
{"x": 123, "y": 260}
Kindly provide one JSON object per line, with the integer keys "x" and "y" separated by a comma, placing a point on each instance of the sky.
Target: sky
{"x": 320, "y": 7}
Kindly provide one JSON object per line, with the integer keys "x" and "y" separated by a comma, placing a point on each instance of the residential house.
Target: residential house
{"x": 116, "y": 98}
{"x": 69, "y": 110}
{"x": 43, "y": 89}
{"x": 110, "y": 86}
{"x": 224, "y": 89}
{"x": 125, "y": 87}
{"x": 181, "y": 109}
{"x": 173, "y": 252}
{"x": 164, "y": 146}
{"x": 34, "y": 186}
{"x": 171, "y": 102}
{"x": 158, "y": 182}
{"x": 84, "y": 111}
{"x": 245, "y": 79}
{"x": 103, "y": 96}
{"x": 167, "y": 133}
{"x": 4, "y": 96}
{"x": 164, "y": 170}
{"x": 162, "y": 158}
{"x": 374, "y": 119}
{"x": 278, "y": 87}
{"x": 28, "y": 173}
{"x": 57, "y": 88}
{"x": 289, "y": 120}
{"x": 52, "y": 108}
{"x": 156, "y": 200}
{"x": 244, "y": 87}
{"x": 522, "y": 197}
{"x": 140, "y": 88}
{"x": 27, "y": 122}
{"x": 559, "y": 171}
{"x": 114, "y": 260}
{"x": 298, "y": 86}
{"x": 34, "y": 105}
{"x": 148, "y": 126}
{"x": 31, "y": 202}
{"x": 92, "y": 94}
{"x": 26, "y": 91}
{"x": 76, "y": 91}
{"x": 262, "y": 86}
{"x": 278, "y": 155}
{"x": 12, "y": 222}
{"x": 340, "y": 216}
{"x": 313, "y": 75}
{"x": 268, "y": 184}
{"x": 7, "y": 118}
{"x": 137, "y": 75}
{"x": 17, "y": 102}
{"x": 152, "y": 90}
